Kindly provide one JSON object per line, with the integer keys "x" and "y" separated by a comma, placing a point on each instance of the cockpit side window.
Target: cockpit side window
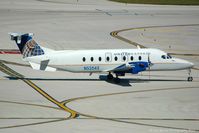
{"x": 166, "y": 56}
{"x": 169, "y": 56}
{"x": 163, "y": 56}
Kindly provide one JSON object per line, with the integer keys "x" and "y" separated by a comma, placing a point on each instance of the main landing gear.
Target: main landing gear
{"x": 116, "y": 79}
{"x": 190, "y": 78}
{"x": 110, "y": 76}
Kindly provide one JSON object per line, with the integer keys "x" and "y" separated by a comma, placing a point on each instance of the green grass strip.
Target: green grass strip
{"x": 161, "y": 2}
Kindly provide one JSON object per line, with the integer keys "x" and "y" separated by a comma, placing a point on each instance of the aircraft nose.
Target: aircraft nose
{"x": 190, "y": 64}
{"x": 185, "y": 64}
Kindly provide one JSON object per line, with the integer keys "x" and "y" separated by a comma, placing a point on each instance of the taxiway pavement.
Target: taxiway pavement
{"x": 161, "y": 102}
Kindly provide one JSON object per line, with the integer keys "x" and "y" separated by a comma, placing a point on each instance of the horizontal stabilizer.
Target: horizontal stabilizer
{"x": 43, "y": 66}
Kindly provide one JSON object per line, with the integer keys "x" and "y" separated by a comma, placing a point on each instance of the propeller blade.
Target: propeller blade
{"x": 149, "y": 65}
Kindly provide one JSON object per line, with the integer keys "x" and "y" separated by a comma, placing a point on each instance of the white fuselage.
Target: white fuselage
{"x": 107, "y": 60}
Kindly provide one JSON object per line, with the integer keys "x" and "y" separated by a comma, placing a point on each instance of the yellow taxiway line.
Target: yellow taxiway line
{"x": 115, "y": 33}
{"x": 9, "y": 71}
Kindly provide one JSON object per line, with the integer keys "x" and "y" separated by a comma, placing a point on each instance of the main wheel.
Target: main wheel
{"x": 190, "y": 79}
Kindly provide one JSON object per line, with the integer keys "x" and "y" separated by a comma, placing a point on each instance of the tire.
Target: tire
{"x": 190, "y": 79}
{"x": 109, "y": 76}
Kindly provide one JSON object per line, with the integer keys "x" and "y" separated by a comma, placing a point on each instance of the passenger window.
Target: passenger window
{"x": 140, "y": 58}
{"x": 92, "y": 59}
{"x": 115, "y": 58}
{"x": 131, "y": 58}
{"x": 83, "y": 59}
{"x": 124, "y": 58}
{"x": 100, "y": 58}
{"x": 107, "y": 58}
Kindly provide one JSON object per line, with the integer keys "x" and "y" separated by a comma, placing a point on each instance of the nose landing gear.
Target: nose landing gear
{"x": 190, "y": 78}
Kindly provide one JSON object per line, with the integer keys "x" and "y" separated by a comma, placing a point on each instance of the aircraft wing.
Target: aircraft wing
{"x": 130, "y": 67}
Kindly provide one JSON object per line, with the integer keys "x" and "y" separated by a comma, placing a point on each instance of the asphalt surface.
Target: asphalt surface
{"x": 36, "y": 101}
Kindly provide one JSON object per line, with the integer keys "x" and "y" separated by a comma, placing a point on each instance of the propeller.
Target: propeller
{"x": 149, "y": 65}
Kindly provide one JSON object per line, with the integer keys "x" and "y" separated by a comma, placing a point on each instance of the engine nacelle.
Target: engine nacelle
{"x": 139, "y": 67}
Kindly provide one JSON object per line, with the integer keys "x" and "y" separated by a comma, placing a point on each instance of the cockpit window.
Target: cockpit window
{"x": 166, "y": 56}
{"x": 169, "y": 56}
{"x": 163, "y": 56}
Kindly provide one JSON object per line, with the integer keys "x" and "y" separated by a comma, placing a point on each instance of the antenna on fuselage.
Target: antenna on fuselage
{"x": 138, "y": 47}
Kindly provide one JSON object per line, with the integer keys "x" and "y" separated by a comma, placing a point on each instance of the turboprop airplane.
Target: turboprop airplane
{"x": 110, "y": 61}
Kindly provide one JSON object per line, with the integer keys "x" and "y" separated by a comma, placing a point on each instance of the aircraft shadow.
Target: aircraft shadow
{"x": 123, "y": 82}
{"x": 126, "y": 81}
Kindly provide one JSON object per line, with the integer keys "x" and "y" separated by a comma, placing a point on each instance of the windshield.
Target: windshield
{"x": 166, "y": 56}
{"x": 169, "y": 56}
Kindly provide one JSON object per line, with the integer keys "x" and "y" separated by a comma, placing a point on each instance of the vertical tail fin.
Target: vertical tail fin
{"x": 27, "y": 46}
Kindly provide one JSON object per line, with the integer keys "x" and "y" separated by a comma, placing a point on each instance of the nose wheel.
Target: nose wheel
{"x": 190, "y": 78}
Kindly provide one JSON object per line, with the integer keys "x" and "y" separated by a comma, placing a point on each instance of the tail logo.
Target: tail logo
{"x": 26, "y": 44}
{"x": 31, "y": 48}
{"x": 31, "y": 44}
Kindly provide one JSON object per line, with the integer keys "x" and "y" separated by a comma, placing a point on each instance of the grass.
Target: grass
{"x": 161, "y": 2}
